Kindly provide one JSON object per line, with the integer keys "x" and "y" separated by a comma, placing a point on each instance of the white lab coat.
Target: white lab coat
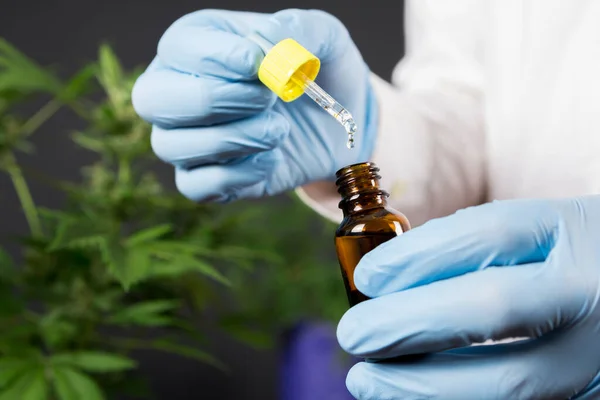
{"x": 494, "y": 99}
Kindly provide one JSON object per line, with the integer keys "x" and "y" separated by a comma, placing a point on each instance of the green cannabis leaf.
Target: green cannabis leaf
{"x": 71, "y": 384}
{"x": 148, "y": 234}
{"x": 126, "y": 253}
{"x": 56, "y": 329}
{"x": 171, "y": 346}
{"x": 93, "y": 361}
{"x": 111, "y": 77}
{"x": 119, "y": 229}
{"x": 79, "y": 231}
{"x": 12, "y": 368}
{"x": 79, "y": 84}
{"x": 28, "y": 385}
{"x": 19, "y": 73}
{"x": 186, "y": 351}
{"x": 150, "y": 313}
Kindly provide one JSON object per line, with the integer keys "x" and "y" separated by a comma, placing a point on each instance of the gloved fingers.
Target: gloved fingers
{"x": 537, "y": 369}
{"x": 319, "y": 32}
{"x": 195, "y": 146}
{"x": 498, "y": 303}
{"x": 210, "y": 45}
{"x": 496, "y": 234}
{"x": 247, "y": 177}
{"x": 171, "y": 99}
{"x": 240, "y": 23}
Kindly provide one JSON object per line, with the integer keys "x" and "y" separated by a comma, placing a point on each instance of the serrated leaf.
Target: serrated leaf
{"x": 208, "y": 270}
{"x": 128, "y": 266}
{"x": 18, "y": 72}
{"x": 190, "y": 331}
{"x": 37, "y": 388}
{"x": 56, "y": 330}
{"x": 79, "y": 232}
{"x": 179, "y": 257}
{"x": 152, "y": 307}
{"x": 71, "y": 384}
{"x": 8, "y": 376}
{"x": 110, "y": 75}
{"x": 149, "y": 313}
{"x": 111, "y": 72}
{"x": 88, "y": 142}
{"x": 13, "y": 367}
{"x": 180, "y": 264}
{"x": 30, "y": 385}
{"x": 172, "y": 247}
{"x": 78, "y": 84}
{"x": 137, "y": 267}
{"x": 157, "y": 258}
{"x": 148, "y": 234}
{"x": 187, "y": 351}
{"x": 114, "y": 256}
{"x": 94, "y": 361}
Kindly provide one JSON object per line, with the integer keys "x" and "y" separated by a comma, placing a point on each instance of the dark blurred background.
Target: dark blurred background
{"x": 67, "y": 33}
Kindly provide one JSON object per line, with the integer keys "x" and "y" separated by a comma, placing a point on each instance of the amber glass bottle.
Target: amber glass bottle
{"x": 368, "y": 221}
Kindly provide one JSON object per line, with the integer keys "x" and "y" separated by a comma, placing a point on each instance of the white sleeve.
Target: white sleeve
{"x": 430, "y": 139}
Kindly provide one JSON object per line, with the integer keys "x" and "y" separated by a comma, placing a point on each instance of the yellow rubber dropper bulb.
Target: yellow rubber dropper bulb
{"x": 285, "y": 61}
{"x": 289, "y": 70}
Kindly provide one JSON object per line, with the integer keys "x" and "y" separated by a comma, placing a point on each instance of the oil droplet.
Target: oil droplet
{"x": 350, "y": 127}
{"x": 329, "y": 104}
{"x": 350, "y": 142}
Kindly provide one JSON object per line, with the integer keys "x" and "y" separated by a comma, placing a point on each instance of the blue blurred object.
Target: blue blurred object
{"x": 313, "y": 366}
{"x": 515, "y": 269}
{"x": 225, "y": 133}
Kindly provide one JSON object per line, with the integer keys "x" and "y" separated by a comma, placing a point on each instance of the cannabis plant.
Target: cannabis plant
{"x": 121, "y": 266}
{"x": 128, "y": 263}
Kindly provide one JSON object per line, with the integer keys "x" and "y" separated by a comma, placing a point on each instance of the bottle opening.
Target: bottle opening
{"x": 358, "y": 179}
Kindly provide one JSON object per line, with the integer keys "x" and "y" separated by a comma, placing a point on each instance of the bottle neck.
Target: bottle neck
{"x": 358, "y": 186}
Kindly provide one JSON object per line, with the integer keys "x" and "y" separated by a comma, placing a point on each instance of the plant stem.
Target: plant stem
{"x": 124, "y": 171}
{"x": 41, "y": 116}
{"x": 24, "y": 194}
{"x": 80, "y": 108}
{"x": 16, "y": 174}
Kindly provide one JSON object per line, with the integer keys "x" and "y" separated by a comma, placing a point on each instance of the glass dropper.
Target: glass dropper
{"x": 316, "y": 93}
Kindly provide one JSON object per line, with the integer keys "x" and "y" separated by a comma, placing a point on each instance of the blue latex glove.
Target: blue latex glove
{"x": 228, "y": 135}
{"x": 519, "y": 268}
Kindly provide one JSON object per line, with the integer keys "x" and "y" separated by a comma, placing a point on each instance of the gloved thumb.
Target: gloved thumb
{"x": 319, "y": 32}
{"x": 496, "y": 234}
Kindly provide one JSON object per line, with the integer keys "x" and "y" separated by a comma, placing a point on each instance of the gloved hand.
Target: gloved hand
{"x": 227, "y": 134}
{"x": 512, "y": 269}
